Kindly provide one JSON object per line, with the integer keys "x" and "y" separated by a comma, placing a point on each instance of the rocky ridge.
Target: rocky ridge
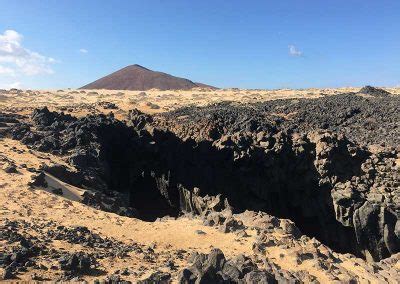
{"x": 363, "y": 120}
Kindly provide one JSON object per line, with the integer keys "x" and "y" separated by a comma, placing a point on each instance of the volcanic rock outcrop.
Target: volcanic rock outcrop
{"x": 375, "y": 92}
{"x": 136, "y": 77}
{"x": 333, "y": 189}
{"x": 363, "y": 120}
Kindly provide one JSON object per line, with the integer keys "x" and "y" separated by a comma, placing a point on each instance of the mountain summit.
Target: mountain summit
{"x": 136, "y": 77}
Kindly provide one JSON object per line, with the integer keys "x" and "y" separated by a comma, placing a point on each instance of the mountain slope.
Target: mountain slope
{"x": 136, "y": 77}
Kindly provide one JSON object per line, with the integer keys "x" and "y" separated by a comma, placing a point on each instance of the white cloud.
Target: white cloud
{"x": 83, "y": 50}
{"x": 6, "y": 71}
{"x": 293, "y": 51}
{"x": 16, "y": 85}
{"x": 17, "y": 59}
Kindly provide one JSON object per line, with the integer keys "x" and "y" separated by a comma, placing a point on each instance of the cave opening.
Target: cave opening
{"x": 150, "y": 176}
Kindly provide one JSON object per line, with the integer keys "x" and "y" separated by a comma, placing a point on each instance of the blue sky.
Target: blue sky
{"x": 246, "y": 44}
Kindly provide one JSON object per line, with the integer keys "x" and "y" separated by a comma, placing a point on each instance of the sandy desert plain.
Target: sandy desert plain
{"x": 200, "y": 186}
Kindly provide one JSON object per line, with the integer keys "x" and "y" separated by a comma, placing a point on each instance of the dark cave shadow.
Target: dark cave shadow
{"x": 283, "y": 184}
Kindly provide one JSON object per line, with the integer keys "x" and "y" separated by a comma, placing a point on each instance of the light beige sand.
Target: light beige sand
{"x": 83, "y": 102}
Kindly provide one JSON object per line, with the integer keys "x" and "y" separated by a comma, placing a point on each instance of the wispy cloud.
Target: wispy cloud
{"x": 16, "y": 85}
{"x": 16, "y": 59}
{"x": 293, "y": 51}
{"x": 6, "y": 71}
{"x": 83, "y": 50}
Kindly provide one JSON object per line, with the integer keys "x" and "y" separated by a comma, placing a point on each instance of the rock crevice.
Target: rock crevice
{"x": 331, "y": 188}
